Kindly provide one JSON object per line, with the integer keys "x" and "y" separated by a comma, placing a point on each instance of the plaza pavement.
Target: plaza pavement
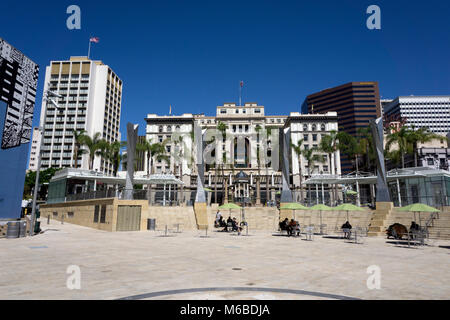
{"x": 187, "y": 265}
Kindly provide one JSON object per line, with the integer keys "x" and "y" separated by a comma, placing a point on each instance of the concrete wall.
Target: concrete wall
{"x": 170, "y": 216}
{"x": 83, "y": 212}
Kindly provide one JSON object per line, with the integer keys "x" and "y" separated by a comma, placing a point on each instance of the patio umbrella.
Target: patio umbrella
{"x": 207, "y": 189}
{"x": 348, "y": 207}
{"x": 320, "y": 208}
{"x": 293, "y": 206}
{"x": 418, "y": 207}
{"x": 229, "y": 206}
{"x": 351, "y": 193}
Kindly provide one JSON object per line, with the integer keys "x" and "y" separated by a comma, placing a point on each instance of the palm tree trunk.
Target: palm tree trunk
{"x": 301, "y": 179}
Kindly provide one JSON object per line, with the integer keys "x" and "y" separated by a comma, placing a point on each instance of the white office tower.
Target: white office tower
{"x": 422, "y": 111}
{"x": 91, "y": 101}
{"x": 35, "y": 142}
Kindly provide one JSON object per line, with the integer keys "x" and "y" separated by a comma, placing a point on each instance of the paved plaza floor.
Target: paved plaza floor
{"x": 188, "y": 265}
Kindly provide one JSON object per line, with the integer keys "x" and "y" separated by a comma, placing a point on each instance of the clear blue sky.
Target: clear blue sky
{"x": 192, "y": 54}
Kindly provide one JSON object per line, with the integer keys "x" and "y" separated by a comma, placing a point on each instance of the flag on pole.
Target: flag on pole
{"x": 94, "y": 39}
{"x": 242, "y": 84}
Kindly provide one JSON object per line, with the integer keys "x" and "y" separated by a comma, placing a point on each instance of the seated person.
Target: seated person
{"x": 235, "y": 226}
{"x": 291, "y": 227}
{"x": 284, "y": 224}
{"x": 346, "y": 226}
{"x": 297, "y": 229}
{"x": 414, "y": 226}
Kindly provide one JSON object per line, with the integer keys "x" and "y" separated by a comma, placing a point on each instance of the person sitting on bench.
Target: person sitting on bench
{"x": 284, "y": 224}
{"x": 346, "y": 227}
{"x": 291, "y": 227}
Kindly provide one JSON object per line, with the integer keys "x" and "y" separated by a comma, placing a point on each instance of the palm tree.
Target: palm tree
{"x": 152, "y": 151}
{"x": 222, "y": 127}
{"x": 365, "y": 141}
{"x": 258, "y": 159}
{"x": 402, "y": 139}
{"x": 114, "y": 156}
{"x": 298, "y": 151}
{"x": 96, "y": 146}
{"x": 421, "y": 135}
{"x": 78, "y": 137}
{"x": 330, "y": 145}
{"x": 311, "y": 157}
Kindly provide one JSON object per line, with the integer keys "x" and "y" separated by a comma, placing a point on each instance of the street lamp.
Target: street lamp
{"x": 47, "y": 98}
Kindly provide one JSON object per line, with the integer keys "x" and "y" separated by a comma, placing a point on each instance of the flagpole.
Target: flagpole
{"x": 89, "y": 50}
{"x": 240, "y": 93}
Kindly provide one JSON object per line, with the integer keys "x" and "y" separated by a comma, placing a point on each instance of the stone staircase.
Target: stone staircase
{"x": 377, "y": 225}
{"x": 440, "y": 229}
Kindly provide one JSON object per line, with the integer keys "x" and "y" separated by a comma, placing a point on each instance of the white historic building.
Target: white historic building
{"x": 248, "y": 132}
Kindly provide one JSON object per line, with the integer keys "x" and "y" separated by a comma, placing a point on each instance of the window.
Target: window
{"x": 223, "y": 111}
{"x": 160, "y": 138}
{"x": 322, "y": 127}
{"x": 169, "y": 128}
{"x": 305, "y": 127}
{"x": 314, "y": 127}
{"x": 306, "y": 147}
{"x": 244, "y": 110}
{"x": 55, "y": 214}
{"x": 103, "y": 214}
{"x": 325, "y": 168}
{"x": 70, "y": 214}
{"x": 96, "y": 212}
{"x": 160, "y": 128}
{"x": 314, "y": 137}
{"x": 257, "y": 110}
{"x": 177, "y": 128}
{"x": 237, "y": 111}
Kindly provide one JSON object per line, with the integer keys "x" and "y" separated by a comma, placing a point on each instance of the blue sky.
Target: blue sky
{"x": 192, "y": 54}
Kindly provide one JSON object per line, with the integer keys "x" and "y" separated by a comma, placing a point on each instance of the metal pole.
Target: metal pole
{"x": 317, "y": 194}
{"x": 323, "y": 195}
{"x": 164, "y": 195}
{"x": 38, "y": 169}
{"x": 358, "y": 199}
{"x": 399, "y": 195}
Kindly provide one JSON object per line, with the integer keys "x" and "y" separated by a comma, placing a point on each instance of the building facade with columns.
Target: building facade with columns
{"x": 242, "y": 151}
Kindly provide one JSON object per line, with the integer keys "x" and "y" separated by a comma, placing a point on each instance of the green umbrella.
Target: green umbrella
{"x": 418, "y": 207}
{"x": 229, "y": 206}
{"x": 320, "y": 208}
{"x": 293, "y": 206}
{"x": 348, "y": 207}
{"x": 207, "y": 189}
{"x": 351, "y": 193}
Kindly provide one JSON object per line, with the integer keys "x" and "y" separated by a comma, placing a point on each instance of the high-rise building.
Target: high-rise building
{"x": 35, "y": 142}
{"x": 91, "y": 101}
{"x": 356, "y": 103}
{"x": 18, "y": 85}
{"x": 432, "y": 112}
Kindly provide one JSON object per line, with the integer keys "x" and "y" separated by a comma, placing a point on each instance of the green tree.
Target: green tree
{"x": 311, "y": 156}
{"x": 365, "y": 141}
{"x": 402, "y": 140}
{"x": 96, "y": 146}
{"x": 78, "y": 137}
{"x": 421, "y": 135}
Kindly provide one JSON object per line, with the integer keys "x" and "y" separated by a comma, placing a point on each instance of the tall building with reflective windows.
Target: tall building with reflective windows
{"x": 356, "y": 103}
{"x": 91, "y": 101}
{"x": 432, "y": 112}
